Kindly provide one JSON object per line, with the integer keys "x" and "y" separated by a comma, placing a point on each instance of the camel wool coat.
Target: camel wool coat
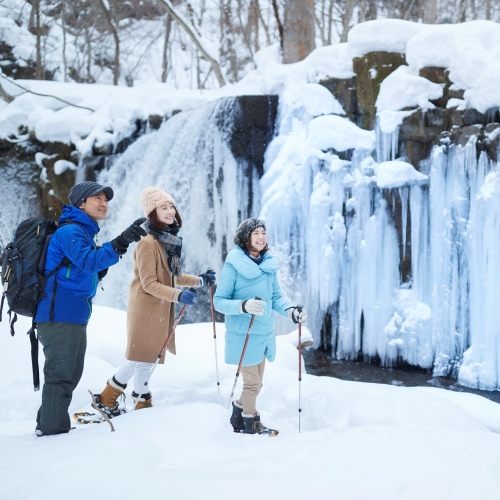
{"x": 151, "y": 303}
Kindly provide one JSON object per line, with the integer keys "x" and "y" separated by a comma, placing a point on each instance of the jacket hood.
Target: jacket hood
{"x": 74, "y": 214}
{"x": 247, "y": 267}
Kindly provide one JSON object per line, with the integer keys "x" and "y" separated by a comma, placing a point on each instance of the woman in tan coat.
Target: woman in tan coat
{"x": 152, "y": 298}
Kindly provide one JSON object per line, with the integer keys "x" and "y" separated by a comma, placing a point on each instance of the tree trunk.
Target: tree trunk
{"x": 168, "y": 29}
{"x": 38, "y": 28}
{"x": 346, "y": 19}
{"x": 278, "y": 22}
{"x": 114, "y": 32}
{"x": 65, "y": 62}
{"x": 298, "y": 30}
{"x": 430, "y": 12}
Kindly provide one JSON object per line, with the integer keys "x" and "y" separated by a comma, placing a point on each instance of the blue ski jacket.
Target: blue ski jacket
{"x": 70, "y": 291}
{"x": 242, "y": 278}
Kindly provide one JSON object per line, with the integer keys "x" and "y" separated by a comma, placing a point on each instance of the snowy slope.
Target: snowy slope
{"x": 357, "y": 441}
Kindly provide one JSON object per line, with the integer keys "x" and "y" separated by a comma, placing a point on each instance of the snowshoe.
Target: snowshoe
{"x": 115, "y": 411}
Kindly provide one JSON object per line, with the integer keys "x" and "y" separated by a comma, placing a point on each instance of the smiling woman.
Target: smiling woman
{"x": 249, "y": 287}
{"x": 152, "y": 298}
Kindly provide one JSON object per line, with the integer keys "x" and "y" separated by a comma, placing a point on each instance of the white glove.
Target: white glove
{"x": 252, "y": 306}
{"x": 296, "y": 316}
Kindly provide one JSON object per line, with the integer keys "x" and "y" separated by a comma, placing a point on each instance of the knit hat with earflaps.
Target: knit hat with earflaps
{"x": 245, "y": 229}
{"x": 80, "y": 192}
{"x": 153, "y": 198}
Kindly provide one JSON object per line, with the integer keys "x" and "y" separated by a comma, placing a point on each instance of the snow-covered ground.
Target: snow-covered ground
{"x": 357, "y": 440}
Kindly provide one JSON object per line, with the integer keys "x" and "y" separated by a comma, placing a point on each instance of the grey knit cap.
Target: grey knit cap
{"x": 246, "y": 228}
{"x": 80, "y": 192}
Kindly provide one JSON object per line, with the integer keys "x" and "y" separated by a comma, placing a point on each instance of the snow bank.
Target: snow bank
{"x": 394, "y": 174}
{"x": 186, "y": 442}
{"x": 340, "y": 134}
{"x": 405, "y": 89}
{"x": 382, "y": 35}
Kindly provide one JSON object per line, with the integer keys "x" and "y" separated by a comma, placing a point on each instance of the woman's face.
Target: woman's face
{"x": 166, "y": 213}
{"x": 258, "y": 239}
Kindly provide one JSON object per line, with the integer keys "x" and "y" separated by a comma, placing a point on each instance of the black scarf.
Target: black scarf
{"x": 171, "y": 243}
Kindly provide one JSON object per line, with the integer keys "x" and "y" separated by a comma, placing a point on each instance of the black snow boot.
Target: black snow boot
{"x": 253, "y": 425}
{"x": 236, "y": 419}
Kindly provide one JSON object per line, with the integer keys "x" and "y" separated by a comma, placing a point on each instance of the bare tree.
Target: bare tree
{"x": 430, "y": 12}
{"x": 35, "y": 27}
{"x": 278, "y": 22}
{"x": 116, "y": 63}
{"x": 168, "y": 30}
{"x": 298, "y": 30}
{"x": 196, "y": 40}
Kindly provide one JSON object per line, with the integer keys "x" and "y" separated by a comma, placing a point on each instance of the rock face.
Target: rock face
{"x": 422, "y": 129}
{"x": 371, "y": 70}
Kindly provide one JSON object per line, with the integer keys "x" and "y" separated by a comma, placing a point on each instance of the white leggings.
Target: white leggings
{"x": 139, "y": 370}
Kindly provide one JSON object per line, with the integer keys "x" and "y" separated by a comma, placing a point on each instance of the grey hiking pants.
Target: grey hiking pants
{"x": 64, "y": 346}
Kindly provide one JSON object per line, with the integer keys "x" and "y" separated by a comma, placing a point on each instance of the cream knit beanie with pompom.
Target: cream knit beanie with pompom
{"x": 152, "y": 198}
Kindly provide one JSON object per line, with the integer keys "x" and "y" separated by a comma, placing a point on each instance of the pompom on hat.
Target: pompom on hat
{"x": 244, "y": 230}
{"x": 152, "y": 198}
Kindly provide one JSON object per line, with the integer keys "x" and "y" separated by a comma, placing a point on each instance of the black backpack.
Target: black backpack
{"x": 23, "y": 277}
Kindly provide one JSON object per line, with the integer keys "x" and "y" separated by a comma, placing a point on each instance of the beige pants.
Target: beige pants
{"x": 252, "y": 384}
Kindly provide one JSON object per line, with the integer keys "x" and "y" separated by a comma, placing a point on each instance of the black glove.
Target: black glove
{"x": 102, "y": 273}
{"x": 208, "y": 277}
{"x": 188, "y": 297}
{"x": 133, "y": 233}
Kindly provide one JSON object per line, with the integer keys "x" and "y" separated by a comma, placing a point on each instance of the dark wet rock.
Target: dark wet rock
{"x": 455, "y": 117}
{"x": 462, "y": 136}
{"x": 155, "y": 121}
{"x": 371, "y": 70}
{"x": 420, "y": 132}
{"x": 103, "y": 150}
{"x": 492, "y": 140}
{"x": 473, "y": 116}
{"x": 253, "y": 128}
{"x": 456, "y": 93}
{"x": 441, "y": 77}
{"x": 344, "y": 91}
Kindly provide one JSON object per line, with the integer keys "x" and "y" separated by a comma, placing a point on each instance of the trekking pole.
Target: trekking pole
{"x": 299, "y": 309}
{"x": 163, "y": 349}
{"x": 215, "y": 336}
{"x": 241, "y": 359}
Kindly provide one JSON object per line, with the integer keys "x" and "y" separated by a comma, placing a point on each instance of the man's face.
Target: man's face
{"x": 96, "y": 207}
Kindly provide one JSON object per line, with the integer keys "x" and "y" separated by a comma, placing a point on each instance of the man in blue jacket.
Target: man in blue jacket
{"x": 64, "y": 312}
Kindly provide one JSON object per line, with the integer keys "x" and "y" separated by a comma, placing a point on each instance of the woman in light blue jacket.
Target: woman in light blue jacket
{"x": 249, "y": 286}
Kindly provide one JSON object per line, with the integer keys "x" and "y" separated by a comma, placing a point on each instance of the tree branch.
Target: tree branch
{"x": 116, "y": 64}
{"x": 44, "y": 95}
{"x": 196, "y": 39}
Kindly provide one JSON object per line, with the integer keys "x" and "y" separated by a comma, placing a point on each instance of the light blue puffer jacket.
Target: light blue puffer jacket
{"x": 242, "y": 278}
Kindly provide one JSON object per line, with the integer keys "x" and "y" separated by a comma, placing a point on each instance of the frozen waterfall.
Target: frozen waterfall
{"x": 189, "y": 157}
{"x": 391, "y": 263}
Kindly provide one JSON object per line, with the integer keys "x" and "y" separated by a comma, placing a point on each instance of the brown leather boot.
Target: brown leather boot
{"x": 107, "y": 400}
{"x": 111, "y": 392}
{"x": 145, "y": 401}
